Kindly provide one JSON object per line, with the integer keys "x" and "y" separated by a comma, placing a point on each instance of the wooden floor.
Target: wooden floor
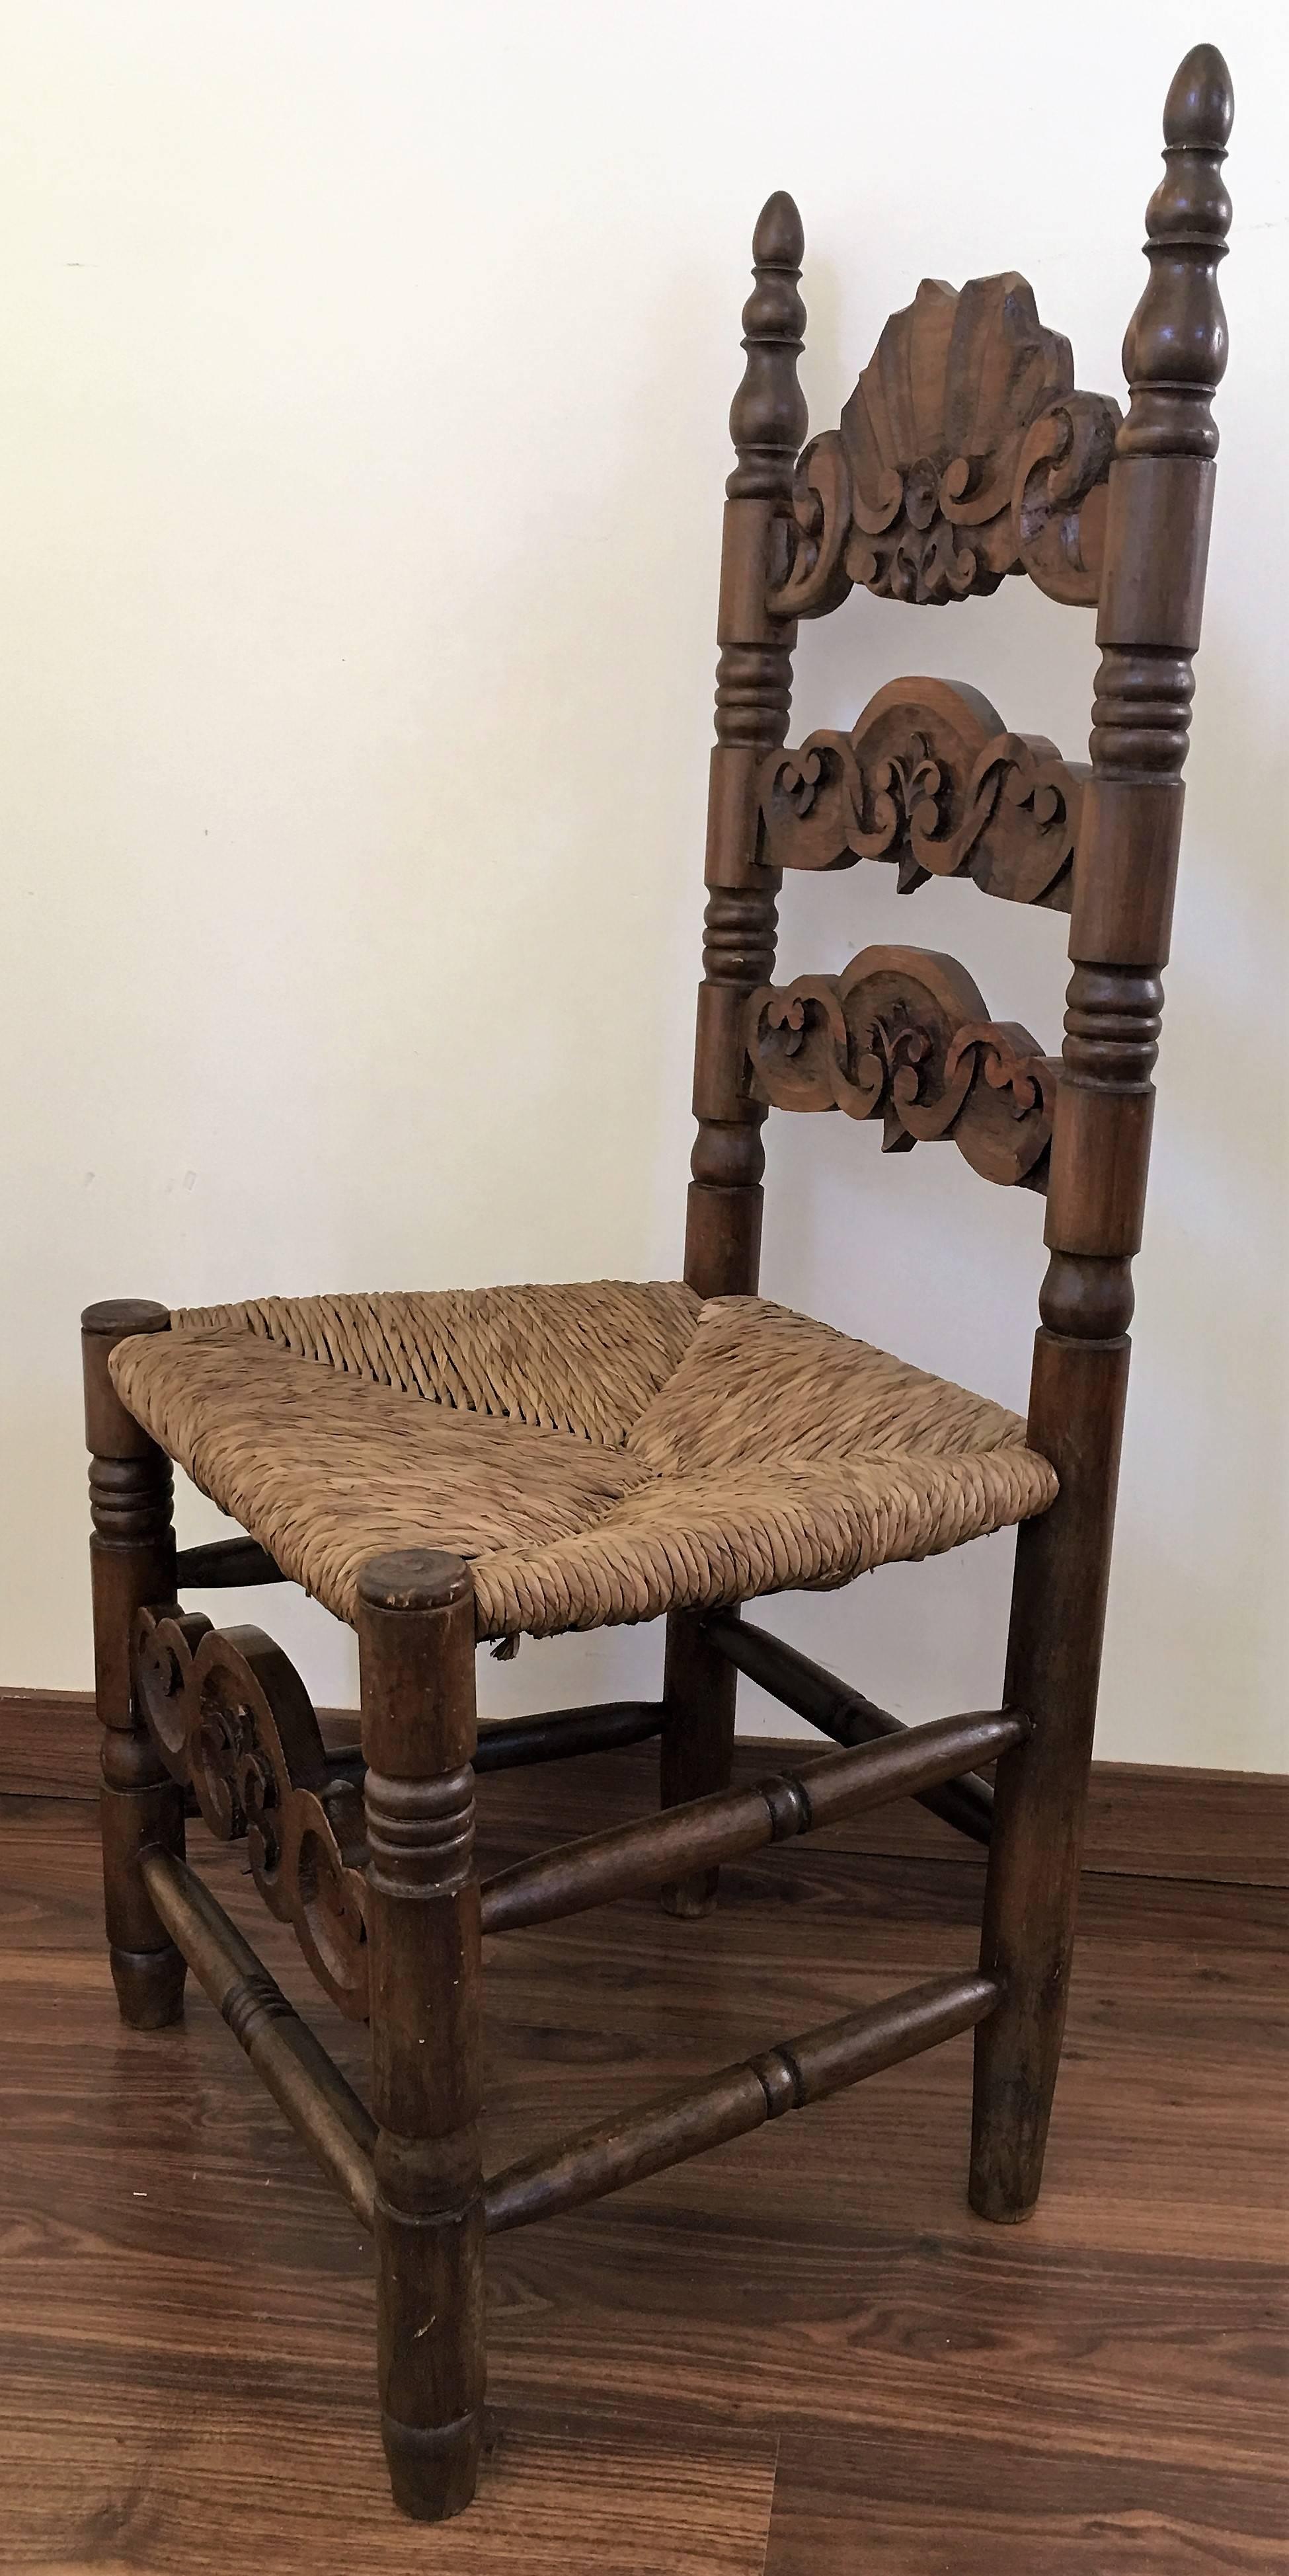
{"x": 800, "y": 2356}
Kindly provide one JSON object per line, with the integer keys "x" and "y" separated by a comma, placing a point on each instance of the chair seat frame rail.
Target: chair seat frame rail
{"x": 369, "y": 1858}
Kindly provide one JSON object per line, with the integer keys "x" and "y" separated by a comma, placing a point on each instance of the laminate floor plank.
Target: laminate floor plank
{"x": 193, "y": 2488}
{"x": 1145, "y": 1820}
{"x": 186, "y": 2314}
{"x": 866, "y": 2505}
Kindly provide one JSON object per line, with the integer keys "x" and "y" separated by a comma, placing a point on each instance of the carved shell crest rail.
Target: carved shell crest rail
{"x": 230, "y": 1716}
{"x": 904, "y": 1034}
{"x": 928, "y": 778}
{"x": 965, "y": 453}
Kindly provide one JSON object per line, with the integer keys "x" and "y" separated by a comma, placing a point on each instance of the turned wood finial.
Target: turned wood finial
{"x": 768, "y": 418}
{"x": 1174, "y": 354}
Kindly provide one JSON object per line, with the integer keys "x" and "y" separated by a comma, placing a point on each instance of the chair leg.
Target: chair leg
{"x": 1041, "y": 1789}
{"x": 132, "y": 1563}
{"x": 697, "y": 1748}
{"x": 416, "y": 1649}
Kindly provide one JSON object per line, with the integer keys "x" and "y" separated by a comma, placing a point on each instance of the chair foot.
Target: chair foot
{"x": 433, "y": 2473}
{"x": 149, "y": 1986}
{"x": 1007, "y": 2144}
{"x": 1018, "y": 2055}
{"x": 1031, "y": 1897}
{"x": 1001, "y": 2216}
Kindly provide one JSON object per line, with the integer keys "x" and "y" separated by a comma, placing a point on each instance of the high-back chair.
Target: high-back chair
{"x": 446, "y": 1468}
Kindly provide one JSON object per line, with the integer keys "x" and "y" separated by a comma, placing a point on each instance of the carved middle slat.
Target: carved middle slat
{"x": 930, "y": 780}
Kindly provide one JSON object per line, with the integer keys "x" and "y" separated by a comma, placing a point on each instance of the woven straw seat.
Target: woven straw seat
{"x": 599, "y": 1453}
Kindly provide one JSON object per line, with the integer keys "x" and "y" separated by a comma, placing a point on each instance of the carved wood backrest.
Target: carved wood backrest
{"x": 965, "y": 453}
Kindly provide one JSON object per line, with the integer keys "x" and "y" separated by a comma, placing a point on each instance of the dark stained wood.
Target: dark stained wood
{"x": 852, "y": 2504}
{"x": 904, "y": 1035}
{"x": 753, "y": 688}
{"x": 768, "y": 422}
{"x": 225, "y": 1562}
{"x": 325, "y": 2111}
{"x": 965, "y": 453}
{"x": 697, "y": 1747}
{"x": 1145, "y": 1820}
{"x": 735, "y": 1822}
{"x": 511, "y": 1743}
{"x": 416, "y": 1661}
{"x": 232, "y": 1720}
{"x": 132, "y": 1561}
{"x": 928, "y": 779}
{"x": 1160, "y": 501}
{"x": 186, "y": 2375}
{"x": 636, "y": 2144}
{"x": 840, "y": 1712}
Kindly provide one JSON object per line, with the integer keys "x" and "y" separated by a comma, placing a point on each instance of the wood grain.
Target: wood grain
{"x": 1145, "y": 1819}
{"x": 565, "y": 2494}
{"x": 188, "y": 2372}
{"x": 852, "y": 2508}
{"x": 1159, "y": 503}
{"x": 904, "y": 1035}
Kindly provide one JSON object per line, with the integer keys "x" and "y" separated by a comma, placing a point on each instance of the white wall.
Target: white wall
{"x": 363, "y": 379}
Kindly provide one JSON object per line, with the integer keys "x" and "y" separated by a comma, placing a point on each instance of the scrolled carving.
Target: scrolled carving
{"x": 904, "y": 1034}
{"x": 964, "y": 454}
{"x": 1059, "y": 501}
{"x": 930, "y": 779}
{"x": 818, "y": 579}
{"x": 230, "y": 1715}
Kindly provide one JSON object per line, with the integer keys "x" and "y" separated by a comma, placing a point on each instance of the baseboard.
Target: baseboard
{"x": 1145, "y": 1820}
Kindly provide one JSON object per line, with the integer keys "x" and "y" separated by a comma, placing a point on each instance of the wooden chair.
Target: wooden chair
{"x": 446, "y": 1468}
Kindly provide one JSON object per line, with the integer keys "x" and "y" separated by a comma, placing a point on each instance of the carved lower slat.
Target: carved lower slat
{"x": 904, "y": 1034}
{"x": 230, "y": 1718}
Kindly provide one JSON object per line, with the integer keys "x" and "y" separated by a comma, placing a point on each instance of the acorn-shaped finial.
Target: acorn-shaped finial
{"x": 768, "y": 418}
{"x": 1175, "y": 350}
{"x": 1200, "y": 103}
{"x": 779, "y": 241}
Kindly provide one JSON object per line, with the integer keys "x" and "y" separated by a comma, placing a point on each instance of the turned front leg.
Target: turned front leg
{"x": 416, "y": 1647}
{"x": 132, "y": 1564}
